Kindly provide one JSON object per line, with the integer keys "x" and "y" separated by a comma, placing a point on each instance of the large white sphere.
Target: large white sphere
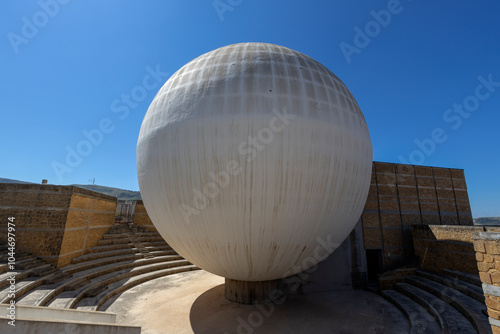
{"x": 251, "y": 154}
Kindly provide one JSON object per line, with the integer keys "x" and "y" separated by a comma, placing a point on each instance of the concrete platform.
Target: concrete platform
{"x": 193, "y": 302}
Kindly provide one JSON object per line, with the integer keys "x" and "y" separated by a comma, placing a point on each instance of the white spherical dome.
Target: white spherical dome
{"x": 251, "y": 154}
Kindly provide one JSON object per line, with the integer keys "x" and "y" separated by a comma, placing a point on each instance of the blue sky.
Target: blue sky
{"x": 425, "y": 73}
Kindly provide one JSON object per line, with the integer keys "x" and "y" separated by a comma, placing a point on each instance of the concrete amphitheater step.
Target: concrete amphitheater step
{"x": 464, "y": 287}
{"x": 98, "y": 249}
{"x": 100, "y": 255}
{"x": 157, "y": 247}
{"x": 150, "y": 238}
{"x": 45, "y": 294}
{"x": 115, "y": 236}
{"x": 105, "y": 242}
{"x": 452, "y": 321}
{"x": 84, "y": 265}
{"x": 421, "y": 321}
{"x": 24, "y": 286}
{"x": 4, "y": 268}
{"x": 19, "y": 276}
{"x": 467, "y": 306}
{"x": 94, "y": 303}
{"x": 466, "y": 277}
{"x": 69, "y": 299}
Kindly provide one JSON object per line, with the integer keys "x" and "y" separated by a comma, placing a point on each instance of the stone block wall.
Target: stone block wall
{"x": 141, "y": 217}
{"x": 55, "y": 223}
{"x": 441, "y": 247}
{"x": 403, "y": 195}
{"x": 487, "y": 247}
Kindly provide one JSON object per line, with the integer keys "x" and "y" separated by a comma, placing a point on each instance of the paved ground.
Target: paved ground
{"x": 193, "y": 302}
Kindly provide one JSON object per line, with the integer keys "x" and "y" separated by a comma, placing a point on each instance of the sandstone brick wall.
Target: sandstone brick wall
{"x": 487, "y": 247}
{"x": 446, "y": 247}
{"x": 403, "y": 195}
{"x": 56, "y": 223}
{"x": 141, "y": 217}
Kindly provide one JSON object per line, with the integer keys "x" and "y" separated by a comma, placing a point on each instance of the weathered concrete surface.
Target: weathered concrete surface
{"x": 194, "y": 303}
{"x": 37, "y": 312}
{"x": 35, "y": 326}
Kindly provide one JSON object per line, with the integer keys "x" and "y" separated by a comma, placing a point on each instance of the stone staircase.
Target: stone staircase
{"x": 31, "y": 272}
{"x": 126, "y": 256}
{"x": 451, "y": 302}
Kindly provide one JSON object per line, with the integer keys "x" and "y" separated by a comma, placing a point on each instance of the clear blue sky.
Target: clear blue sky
{"x": 69, "y": 68}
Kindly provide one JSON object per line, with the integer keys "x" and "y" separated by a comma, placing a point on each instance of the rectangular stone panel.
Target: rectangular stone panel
{"x": 410, "y": 206}
{"x": 387, "y": 190}
{"x": 444, "y": 193}
{"x": 392, "y": 237}
{"x": 94, "y": 235}
{"x": 441, "y": 172}
{"x": 73, "y": 241}
{"x": 389, "y": 205}
{"x": 404, "y": 169}
{"x": 408, "y": 220}
{"x": 372, "y": 238}
{"x": 382, "y": 167}
{"x": 81, "y": 202}
{"x": 444, "y": 207}
{"x": 370, "y": 220}
{"x": 465, "y": 218}
{"x": 461, "y": 195}
{"x": 425, "y": 181}
{"x": 450, "y": 220}
{"x": 427, "y": 206}
{"x": 406, "y": 180}
{"x": 77, "y": 218}
{"x": 457, "y": 173}
{"x": 431, "y": 219}
{"x": 426, "y": 192}
{"x": 423, "y": 171}
{"x": 444, "y": 183}
{"x": 390, "y": 220}
{"x": 371, "y": 205}
{"x": 100, "y": 219}
{"x": 104, "y": 205}
{"x": 385, "y": 178}
{"x": 405, "y": 191}
{"x": 459, "y": 184}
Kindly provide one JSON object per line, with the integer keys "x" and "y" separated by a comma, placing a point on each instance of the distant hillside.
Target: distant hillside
{"x": 122, "y": 194}
{"x": 116, "y": 192}
{"x": 2, "y": 180}
{"x": 487, "y": 221}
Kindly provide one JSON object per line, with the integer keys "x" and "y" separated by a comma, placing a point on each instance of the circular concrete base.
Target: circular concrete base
{"x": 194, "y": 302}
{"x": 246, "y": 292}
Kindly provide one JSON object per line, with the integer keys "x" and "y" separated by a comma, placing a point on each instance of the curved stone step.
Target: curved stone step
{"x": 83, "y": 278}
{"x": 421, "y": 321}
{"x": 115, "y": 236}
{"x": 464, "y": 287}
{"x": 106, "y": 248}
{"x": 466, "y": 277}
{"x": 104, "y": 242}
{"x": 22, "y": 288}
{"x": 101, "y": 255}
{"x": 450, "y": 320}
{"x": 69, "y": 299}
{"x": 76, "y": 267}
{"x": 95, "y": 303}
{"x": 467, "y": 306}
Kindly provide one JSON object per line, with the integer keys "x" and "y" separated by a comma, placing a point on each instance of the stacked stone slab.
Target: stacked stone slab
{"x": 404, "y": 195}
{"x": 55, "y": 223}
{"x": 487, "y": 247}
